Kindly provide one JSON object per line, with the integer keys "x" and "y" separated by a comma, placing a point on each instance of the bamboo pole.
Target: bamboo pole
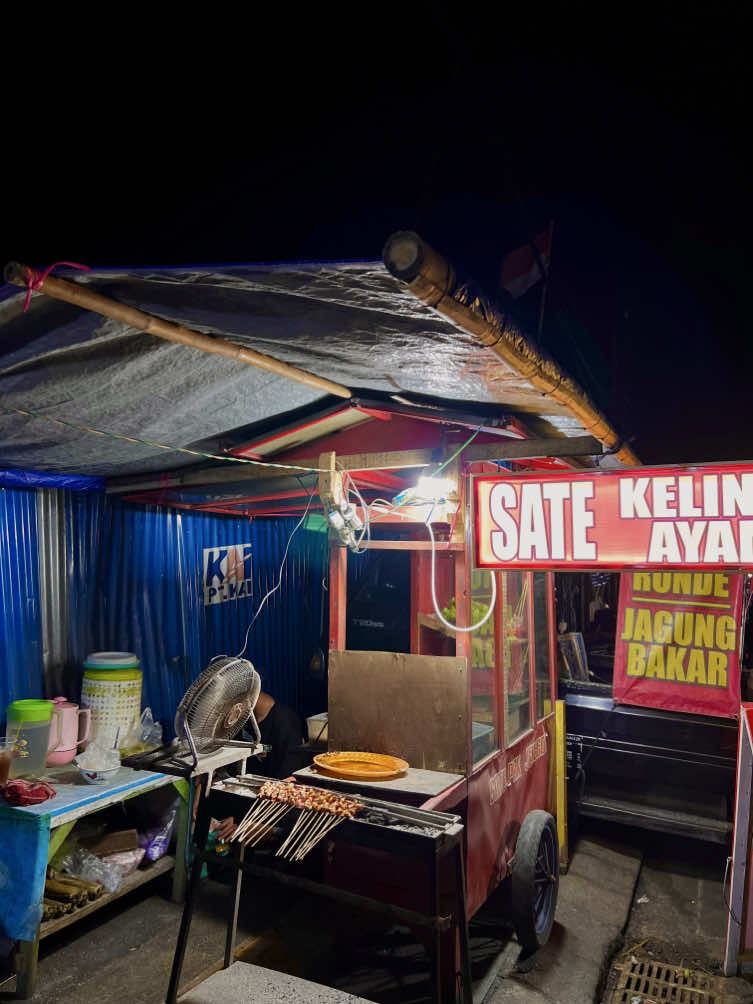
{"x": 80, "y": 296}
{"x": 432, "y": 279}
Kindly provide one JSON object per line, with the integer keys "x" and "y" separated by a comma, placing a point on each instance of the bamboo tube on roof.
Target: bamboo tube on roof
{"x": 80, "y": 296}
{"x": 432, "y": 279}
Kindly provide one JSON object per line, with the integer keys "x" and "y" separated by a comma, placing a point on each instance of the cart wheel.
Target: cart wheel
{"x": 535, "y": 880}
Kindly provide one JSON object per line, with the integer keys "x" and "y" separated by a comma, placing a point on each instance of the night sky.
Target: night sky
{"x": 308, "y": 137}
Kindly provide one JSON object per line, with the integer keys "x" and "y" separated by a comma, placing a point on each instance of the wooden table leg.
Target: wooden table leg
{"x": 182, "y": 843}
{"x": 27, "y": 955}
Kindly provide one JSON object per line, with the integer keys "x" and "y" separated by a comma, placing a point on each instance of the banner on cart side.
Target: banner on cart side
{"x": 672, "y": 517}
{"x": 677, "y": 642}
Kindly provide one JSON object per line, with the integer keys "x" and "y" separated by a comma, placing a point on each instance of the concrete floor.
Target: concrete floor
{"x": 124, "y": 952}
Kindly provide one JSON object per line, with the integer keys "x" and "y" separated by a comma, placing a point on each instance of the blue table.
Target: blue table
{"x": 25, "y": 837}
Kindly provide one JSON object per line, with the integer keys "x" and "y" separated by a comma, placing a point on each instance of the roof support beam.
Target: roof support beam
{"x": 508, "y": 449}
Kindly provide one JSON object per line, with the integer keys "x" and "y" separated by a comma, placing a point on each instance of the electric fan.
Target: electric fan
{"x": 217, "y": 705}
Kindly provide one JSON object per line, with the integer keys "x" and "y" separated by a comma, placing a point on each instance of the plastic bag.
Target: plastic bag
{"x": 82, "y": 864}
{"x": 98, "y": 756}
{"x": 127, "y": 861}
{"x": 146, "y": 734}
{"x": 151, "y": 731}
{"x": 156, "y": 840}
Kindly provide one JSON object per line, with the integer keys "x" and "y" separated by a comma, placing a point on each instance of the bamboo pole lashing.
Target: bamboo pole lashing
{"x": 81, "y": 296}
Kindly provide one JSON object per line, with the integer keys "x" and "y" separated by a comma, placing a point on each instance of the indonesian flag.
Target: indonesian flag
{"x": 521, "y": 268}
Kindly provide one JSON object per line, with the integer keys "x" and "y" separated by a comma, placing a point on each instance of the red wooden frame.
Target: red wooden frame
{"x": 502, "y": 788}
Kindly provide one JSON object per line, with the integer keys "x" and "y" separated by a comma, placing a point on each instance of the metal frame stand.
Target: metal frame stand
{"x": 448, "y": 932}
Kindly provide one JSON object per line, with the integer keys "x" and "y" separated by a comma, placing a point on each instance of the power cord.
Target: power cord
{"x": 438, "y": 612}
{"x": 279, "y": 577}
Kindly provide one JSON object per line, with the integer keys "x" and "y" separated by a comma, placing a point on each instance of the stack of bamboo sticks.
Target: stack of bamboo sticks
{"x": 63, "y": 893}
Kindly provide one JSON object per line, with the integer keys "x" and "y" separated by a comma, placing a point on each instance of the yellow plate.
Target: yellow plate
{"x": 360, "y": 766}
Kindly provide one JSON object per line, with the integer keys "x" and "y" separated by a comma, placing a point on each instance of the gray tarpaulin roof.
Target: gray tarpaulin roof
{"x": 353, "y": 323}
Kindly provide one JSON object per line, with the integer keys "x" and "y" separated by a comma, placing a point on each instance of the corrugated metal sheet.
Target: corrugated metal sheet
{"x": 21, "y": 673}
{"x": 53, "y": 592}
{"x": 84, "y": 545}
{"x": 97, "y": 574}
{"x": 150, "y": 601}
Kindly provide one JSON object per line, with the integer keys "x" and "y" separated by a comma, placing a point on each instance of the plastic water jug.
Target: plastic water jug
{"x": 33, "y": 722}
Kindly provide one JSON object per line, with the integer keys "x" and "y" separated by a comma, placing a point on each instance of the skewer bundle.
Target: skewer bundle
{"x": 321, "y": 811}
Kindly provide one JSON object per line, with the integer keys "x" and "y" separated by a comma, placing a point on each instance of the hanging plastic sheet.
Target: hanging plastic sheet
{"x": 13, "y": 478}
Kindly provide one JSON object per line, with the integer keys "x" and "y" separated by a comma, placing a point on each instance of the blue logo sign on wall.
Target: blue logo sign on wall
{"x": 227, "y": 573}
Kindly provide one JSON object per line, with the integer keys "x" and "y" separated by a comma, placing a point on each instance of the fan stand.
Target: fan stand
{"x": 183, "y": 759}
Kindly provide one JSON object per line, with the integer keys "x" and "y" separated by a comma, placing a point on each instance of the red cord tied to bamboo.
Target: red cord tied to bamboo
{"x": 35, "y": 280}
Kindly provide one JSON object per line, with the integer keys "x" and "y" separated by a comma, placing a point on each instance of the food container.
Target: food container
{"x": 111, "y": 689}
{"x": 317, "y": 726}
{"x": 96, "y": 776}
{"x": 30, "y": 721}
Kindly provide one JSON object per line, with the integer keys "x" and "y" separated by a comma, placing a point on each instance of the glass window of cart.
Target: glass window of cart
{"x": 516, "y": 603}
{"x": 544, "y": 704}
{"x": 484, "y": 700}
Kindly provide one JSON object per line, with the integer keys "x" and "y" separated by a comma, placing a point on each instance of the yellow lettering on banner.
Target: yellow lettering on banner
{"x": 655, "y": 664}
{"x": 642, "y": 625}
{"x": 627, "y": 630}
{"x": 636, "y": 660}
{"x": 683, "y": 628}
{"x": 726, "y": 635}
{"x": 704, "y": 630}
{"x": 641, "y": 582}
{"x": 703, "y": 583}
{"x": 717, "y": 669}
{"x": 663, "y": 627}
{"x": 721, "y": 586}
{"x": 696, "y": 667}
{"x": 662, "y": 582}
{"x": 675, "y": 659}
{"x": 683, "y": 583}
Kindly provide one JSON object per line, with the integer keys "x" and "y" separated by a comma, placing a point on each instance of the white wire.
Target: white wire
{"x": 367, "y": 520}
{"x": 438, "y": 612}
{"x": 279, "y": 578}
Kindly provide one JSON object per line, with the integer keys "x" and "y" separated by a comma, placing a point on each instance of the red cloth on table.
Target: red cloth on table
{"x": 20, "y": 792}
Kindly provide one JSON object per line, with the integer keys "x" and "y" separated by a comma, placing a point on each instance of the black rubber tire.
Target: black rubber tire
{"x": 535, "y": 880}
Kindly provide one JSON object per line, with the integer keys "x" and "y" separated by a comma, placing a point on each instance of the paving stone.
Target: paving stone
{"x": 243, "y": 982}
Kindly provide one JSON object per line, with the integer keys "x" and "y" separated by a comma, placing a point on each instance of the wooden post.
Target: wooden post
{"x": 560, "y": 758}
{"x": 338, "y": 596}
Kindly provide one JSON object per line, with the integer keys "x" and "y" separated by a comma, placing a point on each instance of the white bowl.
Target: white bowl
{"x": 96, "y": 776}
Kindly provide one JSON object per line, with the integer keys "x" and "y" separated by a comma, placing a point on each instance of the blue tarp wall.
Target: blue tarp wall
{"x": 134, "y": 581}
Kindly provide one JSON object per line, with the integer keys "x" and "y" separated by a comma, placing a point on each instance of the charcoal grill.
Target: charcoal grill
{"x": 405, "y": 831}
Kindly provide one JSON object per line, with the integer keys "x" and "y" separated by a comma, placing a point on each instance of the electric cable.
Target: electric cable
{"x": 459, "y": 450}
{"x": 724, "y": 894}
{"x": 438, "y": 612}
{"x": 161, "y": 446}
{"x": 279, "y": 578}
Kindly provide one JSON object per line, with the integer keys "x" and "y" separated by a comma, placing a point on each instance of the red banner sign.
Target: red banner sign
{"x": 677, "y": 644}
{"x": 671, "y": 517}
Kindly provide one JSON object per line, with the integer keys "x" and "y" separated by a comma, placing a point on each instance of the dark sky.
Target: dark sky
{"x": 316, "y": 137}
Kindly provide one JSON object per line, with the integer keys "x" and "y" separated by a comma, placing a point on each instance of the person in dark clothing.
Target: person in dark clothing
{"x": 280, "y": 728}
